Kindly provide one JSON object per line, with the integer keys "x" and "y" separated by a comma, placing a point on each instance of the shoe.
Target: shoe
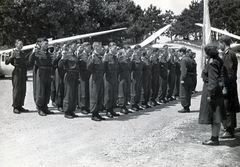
{"x": 83, "y": 111}
{"x": 184, "y": 111}
{"x": 135, "y": 108}
{"x": 23, "y": 109}
{"x": 227, "y": 135}
{"x": 99, "y": 116}
{"x": 16, "y": 111}
{"x": 145, "y": 105}
{"x": 48, "y": 111}
{"x": 68, "y": 116}
{"x": 96, "y": 118}
{"x": 42, "y": 113}
{"x": 211, "y": 142}
{"x": 60, "y": 109}
{"x": 162, "y": 101}
{"x": 124, "y": 110}
{"x": 54, "y": 104}
{"x": 74, "y": 115}
{"x": 109, "y": 114}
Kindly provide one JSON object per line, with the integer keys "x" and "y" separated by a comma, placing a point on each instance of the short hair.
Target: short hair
{"x": 96, "y": 44}
{"x": 183, "y": 49}
{"x": 85, "y": 44}
{"x": 112, "y": 44}
{"x": 226, "y": 39}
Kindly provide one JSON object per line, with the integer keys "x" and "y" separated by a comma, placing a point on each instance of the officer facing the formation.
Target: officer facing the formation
{"x": 187, "y": 72}
{"x": 110, "y": 80}
{"x": 43, "y": 60}
{"x": 231, "y": 103}
{"x": 96, "y": 67}
{"x": 19, "y": 77}
{"x": 84, "y": 75}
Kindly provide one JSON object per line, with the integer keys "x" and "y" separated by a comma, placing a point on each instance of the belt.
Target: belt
{"x": 97, "y": 71}
{"x": 110, "y": 71}
{"x": 72, "y": 70}
{"x": 44, "y": 67}
{"x": 189, "y": 73}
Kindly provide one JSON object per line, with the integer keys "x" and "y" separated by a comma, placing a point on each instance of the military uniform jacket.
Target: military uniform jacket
{"x": 95, "y": 64}
{"x": 230, "y": 64}
{"x": 17, "y": 59}
{"x": 187, "y": 70}
{"x": 110, "y": 62}
{"x": 163, "y": 66}
{"x": 41, "y": 59}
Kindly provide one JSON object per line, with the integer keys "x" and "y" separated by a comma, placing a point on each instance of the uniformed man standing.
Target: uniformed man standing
{"x": 177, "y": 75}
{"x": 146, "y": 77}
{"x": 43, "y": 76}
{"x": 96, "y": 67}
{"x": 163, "y": 65}
{"x": 69, "y": 62}
{"x": 231, "y": 103}
{"x": 19, "y": 77}
{"x": 110, "y": 80}
{"x": 171, "y": 75}
{"x": 84, "y": 75}
{"x": 136, "y": 78}
{"x": 155, "y": 77}
{"x": 187, "y": 72}
{"x": 124, "y": 80}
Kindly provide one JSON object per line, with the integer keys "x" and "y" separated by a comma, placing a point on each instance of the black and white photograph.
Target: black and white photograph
{"x": 114, "y": 83}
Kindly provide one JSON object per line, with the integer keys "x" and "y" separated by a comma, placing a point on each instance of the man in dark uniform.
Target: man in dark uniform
{"x": 110, "y": 80}
{"x": 229, "y": 71}
{"x": 123, "y": 79}
{"x": 146, "y": 77}
{"x": 177, "y": 74}
{"x": 155, "y": 77}
{"x": 136, "y": 78}
{"x": 192, "y": 56}
{"x": 171, "y": 75}
{"x": 163, "y": 65}
{"x": 96, "y": 67}
{"x": 187, "y": 72}
{"x": 84, "y": 75}
{"x": 19, "y": 77}
{"x": 43, "y": 76}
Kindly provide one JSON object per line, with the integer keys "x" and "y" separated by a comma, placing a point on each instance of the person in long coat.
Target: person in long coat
{"x": 231, "y": 102}
{"x": 19, "y": 77}
{"x": 211, "y": 106}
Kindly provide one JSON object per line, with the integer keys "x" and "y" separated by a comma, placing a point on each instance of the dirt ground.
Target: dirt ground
{"x": 156, "y": 137}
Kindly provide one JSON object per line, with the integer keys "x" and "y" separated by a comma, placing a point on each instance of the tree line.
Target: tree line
{"x": 30, "y": 19}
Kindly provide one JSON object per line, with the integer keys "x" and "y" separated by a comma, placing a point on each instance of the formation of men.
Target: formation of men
{"x": 94, "y": 78}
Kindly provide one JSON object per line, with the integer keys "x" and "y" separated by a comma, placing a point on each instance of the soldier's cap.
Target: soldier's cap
{"x": 183, "y": 49}
{"x": 137, "y": 47}
{"x": 96, "y": 44}
{"x": 189, "y": 50}
{"x": 165, "y": 46}
{"x": 211, "y": 50}
{"x": 85, "y": 44}
{"x": 112, "y": 44}
{"x": 226, "y": 39}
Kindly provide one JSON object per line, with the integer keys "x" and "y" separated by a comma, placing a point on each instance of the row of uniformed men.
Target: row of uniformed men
{"x": 98, "y": 79}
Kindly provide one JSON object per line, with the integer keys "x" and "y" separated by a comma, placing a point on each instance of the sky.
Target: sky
{"x": 177, "y": 6}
